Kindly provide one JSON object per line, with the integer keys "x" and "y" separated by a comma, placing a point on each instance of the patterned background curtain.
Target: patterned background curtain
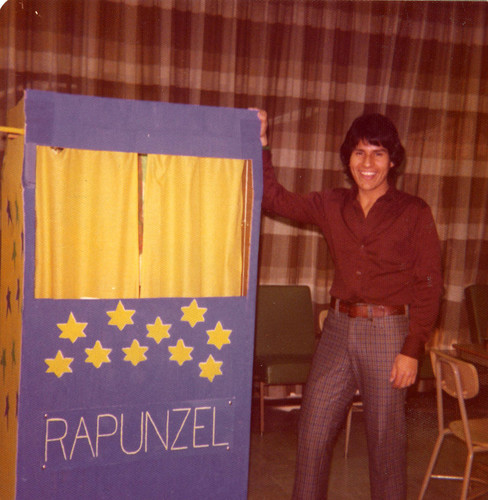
{"x": 314, "y": 66}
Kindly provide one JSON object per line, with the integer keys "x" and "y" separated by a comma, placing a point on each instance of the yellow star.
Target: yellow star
{"x": 59, "y": 365}
{"x": 72, "y": 329}
{"x": 121, "y": 316}
{"x": 158, "y": 331}
{"x": 135, "y": 353}
{"x": 97, "y": 355}
{"x": 193, "y": 314}
{"x": 180, "y": 352}
{"x": 210, "y": 368}
{"x": 218, "y": 336}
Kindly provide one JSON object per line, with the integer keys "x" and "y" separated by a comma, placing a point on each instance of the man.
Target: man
{"x": 384, "y": 303}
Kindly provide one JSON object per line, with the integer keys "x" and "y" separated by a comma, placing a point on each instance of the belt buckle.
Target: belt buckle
{"x": 381, "y": 311}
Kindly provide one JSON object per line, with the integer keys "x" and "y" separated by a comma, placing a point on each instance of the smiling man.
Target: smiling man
{"x": 384, "y": 303}
{"x": 369, "y": 166}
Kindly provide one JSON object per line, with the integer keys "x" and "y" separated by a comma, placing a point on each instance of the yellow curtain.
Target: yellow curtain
{"x": 192, "y": 227}
{"x": 86, "y": 224}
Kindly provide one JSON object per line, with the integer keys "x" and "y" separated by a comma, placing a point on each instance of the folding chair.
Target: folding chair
{"x": 284, "y": 339}
{"x": 459, "y": 379}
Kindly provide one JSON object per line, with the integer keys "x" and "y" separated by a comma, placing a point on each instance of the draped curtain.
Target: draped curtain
{"x": 88, "y": 224}
{"x": 193, "y": 212}
{"x": 314, "y": 66}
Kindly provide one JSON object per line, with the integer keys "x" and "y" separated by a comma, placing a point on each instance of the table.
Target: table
{"x": 474, "y": 353}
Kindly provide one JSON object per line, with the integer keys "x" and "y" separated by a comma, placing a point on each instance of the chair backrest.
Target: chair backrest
{"x": 457, "y": 377}
{"x": 477, "y": 307}
{"x": 284, "y": 320}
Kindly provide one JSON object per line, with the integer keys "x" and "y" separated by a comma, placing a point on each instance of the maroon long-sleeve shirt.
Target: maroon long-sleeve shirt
{"x": 390, "y": 257}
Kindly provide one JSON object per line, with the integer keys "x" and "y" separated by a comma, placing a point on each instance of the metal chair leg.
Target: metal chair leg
{"x": 348, "y": 430}
{"x": 467, "y": 475}
{"x": 261, "y": 407}
{"x": 430, "y": 467}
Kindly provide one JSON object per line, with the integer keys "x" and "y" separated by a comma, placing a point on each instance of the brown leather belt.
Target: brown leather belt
{"x": 362, "y": 310}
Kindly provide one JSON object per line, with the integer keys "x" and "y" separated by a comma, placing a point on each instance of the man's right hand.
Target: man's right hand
{"x": 263, "y": 118}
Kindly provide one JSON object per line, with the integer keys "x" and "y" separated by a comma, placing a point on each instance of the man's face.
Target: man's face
{"x": 369, "y": 167}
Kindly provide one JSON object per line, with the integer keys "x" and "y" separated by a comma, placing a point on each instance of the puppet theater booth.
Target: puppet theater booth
{"x": 129, "y": 266}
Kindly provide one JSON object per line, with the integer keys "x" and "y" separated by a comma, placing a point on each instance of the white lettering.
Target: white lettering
{"x": 99, "y": 418}
{"x": 165, "y": 443}
{"x": 175, "y": 430}
{"x": 213, "y": 432}
{"x": 122, "y": 435}
{"x": 81, "y": 436}
{"x": 60, "y": 439}
{"x": 173, "y": 447}
{"x": 195, "y": 427}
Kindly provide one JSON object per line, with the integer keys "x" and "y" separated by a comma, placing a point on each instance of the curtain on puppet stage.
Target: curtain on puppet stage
{"x": 87, "y": 232}
{"x": 86, "y": 224}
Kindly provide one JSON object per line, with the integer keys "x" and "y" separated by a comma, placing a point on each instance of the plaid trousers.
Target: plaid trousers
{"x": 354, "y": 353}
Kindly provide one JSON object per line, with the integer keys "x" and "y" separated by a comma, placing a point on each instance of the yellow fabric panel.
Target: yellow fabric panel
{"x": 192, "y": 227}
{"x": 11, "y": 293}
{"x": 86, "y": 224}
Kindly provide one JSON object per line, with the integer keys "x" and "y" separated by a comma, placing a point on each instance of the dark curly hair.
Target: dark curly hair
{"x": 378, "y": 130}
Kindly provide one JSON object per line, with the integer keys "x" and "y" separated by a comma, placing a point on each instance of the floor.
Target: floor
{"x": 272, "y": 456}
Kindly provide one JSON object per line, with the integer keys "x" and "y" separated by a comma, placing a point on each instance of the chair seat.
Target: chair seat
{"x": 478, "y": 428}
{"x": 282, "y": 369}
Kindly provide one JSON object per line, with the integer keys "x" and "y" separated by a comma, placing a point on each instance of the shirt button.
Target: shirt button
{"x": 358, "y": 273}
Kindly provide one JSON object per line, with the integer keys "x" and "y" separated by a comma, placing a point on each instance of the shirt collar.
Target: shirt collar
{"x": 390, "y": 195}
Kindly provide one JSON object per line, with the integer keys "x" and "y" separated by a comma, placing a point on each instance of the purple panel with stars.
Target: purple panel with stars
{"x": 136, "y": 398}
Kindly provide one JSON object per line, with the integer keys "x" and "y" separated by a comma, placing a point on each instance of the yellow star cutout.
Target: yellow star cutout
{"x": 59, "y": 365}
{"x": 210, "y": 368}
{"x": 158, "y": 331}
{"x": 121, "y": 317}
{"x": 180, "y": 352}
{"x": 135, "y": 353}
{"x": 218, "y": 336}
{"x": 97, "y": 355}
{"x": 72, "y": 329}
{"x": 193, "y": 314}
